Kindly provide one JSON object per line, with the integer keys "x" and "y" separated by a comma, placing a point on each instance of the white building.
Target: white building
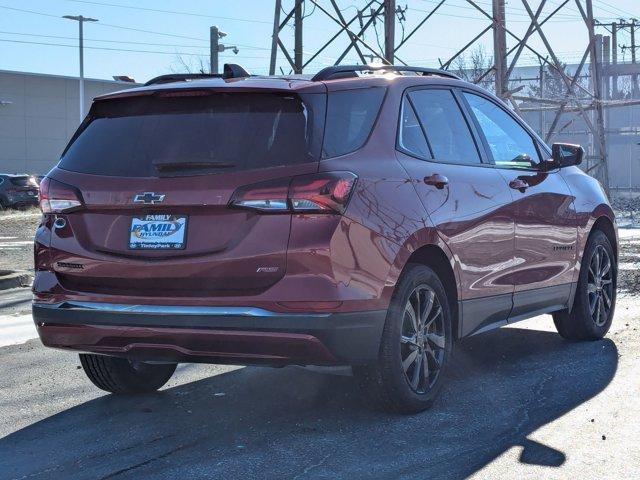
{"x": 38, "y": 115}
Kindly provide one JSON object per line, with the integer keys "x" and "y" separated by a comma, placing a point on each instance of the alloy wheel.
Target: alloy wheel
{"x": 423, "y": 340}
{"x": 600, "y": 286}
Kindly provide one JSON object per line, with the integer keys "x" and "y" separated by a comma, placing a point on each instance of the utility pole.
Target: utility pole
{"x": 542, "y": 93}
{"x": 214, "y": 38}
{"x": 634, "y": 77}
{"x": 596, "y": 75}
{"x": 215, "y": 48}
{"x": 614, "y": 60}
{"x": 606, "y": 62}
{"x": 499, "y": 47}
{"x": 80, "y": 19}
{"x": 389, "y": 31}
{"x": 297, "y": 32}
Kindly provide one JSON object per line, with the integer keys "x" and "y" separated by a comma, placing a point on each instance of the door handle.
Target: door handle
{"x": 437, "y": 180}
{"x": 518, "y": 184}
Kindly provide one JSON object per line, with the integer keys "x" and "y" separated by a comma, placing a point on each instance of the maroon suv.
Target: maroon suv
{"x": 366, "y": 217}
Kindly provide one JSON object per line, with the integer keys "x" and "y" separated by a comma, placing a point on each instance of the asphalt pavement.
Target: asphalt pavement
{"x": 519, "y": 403}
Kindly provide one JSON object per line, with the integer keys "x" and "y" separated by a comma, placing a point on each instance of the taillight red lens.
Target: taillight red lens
{"x": 58, "y": 197}
{"x": 318, "y": 193}
{"x": 321, "y": 193}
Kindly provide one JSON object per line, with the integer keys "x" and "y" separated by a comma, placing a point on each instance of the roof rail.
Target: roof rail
{"x": 342, "y": 71}
{"x": 231, "y": 70}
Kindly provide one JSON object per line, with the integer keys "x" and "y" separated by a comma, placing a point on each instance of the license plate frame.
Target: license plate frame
{"x": 158, "y": 231}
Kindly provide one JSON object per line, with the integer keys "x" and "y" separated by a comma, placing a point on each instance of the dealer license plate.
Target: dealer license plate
{"x": 158, "y": 232}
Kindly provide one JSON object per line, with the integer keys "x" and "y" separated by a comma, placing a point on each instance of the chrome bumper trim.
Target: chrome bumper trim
{"x": 172, "y": 309}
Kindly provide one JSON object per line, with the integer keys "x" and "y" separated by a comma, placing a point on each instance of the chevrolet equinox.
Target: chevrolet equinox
{"x": 368, "y": 216}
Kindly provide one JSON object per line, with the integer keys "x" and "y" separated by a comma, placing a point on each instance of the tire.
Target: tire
{"x": 587, "y": 321}
{"x": 119, "y": 375}
{"x": 390, "y": 383}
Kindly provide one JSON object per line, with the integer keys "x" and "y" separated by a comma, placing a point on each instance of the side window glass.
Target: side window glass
{"x": 510, "y": 144}
{"x": 350, "y": 118}
{"x": 411, "y": 137}
{"x": 447, "y": 130}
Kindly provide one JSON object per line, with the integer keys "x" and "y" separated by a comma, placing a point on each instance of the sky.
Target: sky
{"x": 145, "y": 38}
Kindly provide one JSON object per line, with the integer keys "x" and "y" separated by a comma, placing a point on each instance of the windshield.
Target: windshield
{"x": 195, "y": 134}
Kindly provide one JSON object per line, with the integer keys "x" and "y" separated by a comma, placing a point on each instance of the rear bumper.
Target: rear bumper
{"x": 26, "y": 202}
{"x": 211, "y": 334}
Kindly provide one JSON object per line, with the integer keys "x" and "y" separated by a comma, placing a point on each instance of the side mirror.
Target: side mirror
{"x": 566, "y": 155}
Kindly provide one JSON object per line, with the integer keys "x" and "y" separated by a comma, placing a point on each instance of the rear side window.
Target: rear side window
{"x": 412, "y": 138}
{"x": 197, "y": 134}
{"x": 447, "y": 131}
{"x": 350, "y": 118}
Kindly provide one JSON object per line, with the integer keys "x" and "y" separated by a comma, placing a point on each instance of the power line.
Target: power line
{"x": 60, "y": 37}
{"x": 172, "y": 12}
{"x": 121, "y": 27}
{"x": 124, "y": 41}
{"x": 119, "y": 49}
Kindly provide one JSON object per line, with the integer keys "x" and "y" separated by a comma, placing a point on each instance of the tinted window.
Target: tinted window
{"x": 411, "y": 137}
{"x": 21, "y": 181}
{"x": 510, "y": 144}
{"x": 350, "y": 118}
{"x": 160, "y": 136}
{"x": 447, "y": 130}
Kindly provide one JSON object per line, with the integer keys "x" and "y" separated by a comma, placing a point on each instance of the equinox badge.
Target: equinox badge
{"x": 148, "y": 198}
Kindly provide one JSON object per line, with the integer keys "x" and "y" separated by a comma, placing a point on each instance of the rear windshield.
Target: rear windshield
{"x": 188, "y": 135}
{"x": 21, "y": 181}
{"x": 220, "y": 132}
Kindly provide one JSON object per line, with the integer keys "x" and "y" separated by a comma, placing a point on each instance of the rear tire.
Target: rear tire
{"x": 595, "y": 298}
{"x": 119, "y": 375}
{"x": 414, "y": 349}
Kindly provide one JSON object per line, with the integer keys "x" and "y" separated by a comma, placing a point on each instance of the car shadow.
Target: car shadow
{"x": 295, "y": 423}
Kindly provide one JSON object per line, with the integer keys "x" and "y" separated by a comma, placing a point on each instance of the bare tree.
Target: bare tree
{"x": 194, "y": 64}
{"x": 471, "y": 67}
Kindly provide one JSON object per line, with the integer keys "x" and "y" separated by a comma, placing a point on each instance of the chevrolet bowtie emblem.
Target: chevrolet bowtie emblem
{"x": 148, "y": 198}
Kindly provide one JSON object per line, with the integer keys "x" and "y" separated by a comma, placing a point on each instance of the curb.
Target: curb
{"x": 14, "y": 280}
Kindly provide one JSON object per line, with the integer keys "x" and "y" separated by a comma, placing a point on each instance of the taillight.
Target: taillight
{"x": 318, "y": 193}
{"x": 58, "y": 197}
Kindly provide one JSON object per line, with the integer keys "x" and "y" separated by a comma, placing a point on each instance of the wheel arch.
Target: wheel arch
{"x": 434, "y": 256}
{"x": 604, "y": 224}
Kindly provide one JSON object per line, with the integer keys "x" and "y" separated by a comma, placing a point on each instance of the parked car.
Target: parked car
{"x": 368, "y": 217}
{"x": 17, "y": 191}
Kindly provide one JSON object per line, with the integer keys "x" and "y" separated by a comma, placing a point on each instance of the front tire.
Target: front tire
{"x": 119, "y": 375}
{"x": 415, "y": 347}
{"x": 595, "y": 298}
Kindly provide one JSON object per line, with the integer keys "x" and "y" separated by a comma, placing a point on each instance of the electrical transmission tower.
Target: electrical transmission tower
{"x": 586, "y": 102}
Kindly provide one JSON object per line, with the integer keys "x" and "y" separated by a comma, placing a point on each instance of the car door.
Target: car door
{"x": 466, "y": 199}
{"x": 545, "y": 231}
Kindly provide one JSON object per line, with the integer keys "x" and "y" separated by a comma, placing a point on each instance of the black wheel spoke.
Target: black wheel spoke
{"x": 422, "y": 339}
{"x": 434, "y": 360}
{"x": 437, "y": 340}
{"x": 428, "y": 306}
{"x": 415, "y": 379}
{"x": 410, "y": 360}
{"x": 600, "y": 285}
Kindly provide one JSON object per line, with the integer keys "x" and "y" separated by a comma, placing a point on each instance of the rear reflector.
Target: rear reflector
{"x": 58, "y": 197}
{"x": 318, "y": 193}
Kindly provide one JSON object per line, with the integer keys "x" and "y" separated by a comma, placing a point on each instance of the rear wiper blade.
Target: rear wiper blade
{"x": 177, "y": 166}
